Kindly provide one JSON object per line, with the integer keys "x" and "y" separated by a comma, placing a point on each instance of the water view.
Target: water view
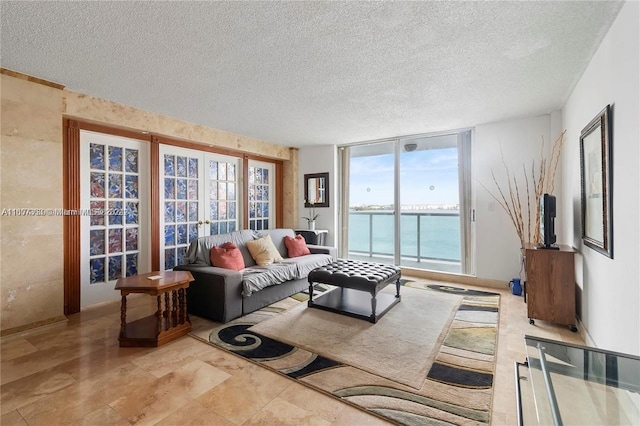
{"x": 431, "y": 236}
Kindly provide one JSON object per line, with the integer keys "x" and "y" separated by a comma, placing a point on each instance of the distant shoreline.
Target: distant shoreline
{"x": 412, "y": 211}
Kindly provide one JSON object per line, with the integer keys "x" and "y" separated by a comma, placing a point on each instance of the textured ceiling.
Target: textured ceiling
{"x": 303, "y": 73}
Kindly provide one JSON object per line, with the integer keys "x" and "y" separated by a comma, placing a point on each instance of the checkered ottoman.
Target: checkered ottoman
{"x": 354, "y": 279}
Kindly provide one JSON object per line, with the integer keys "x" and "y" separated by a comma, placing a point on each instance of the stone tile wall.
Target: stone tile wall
{"x": 31, "y": 258}
{"x": 103, "y": 111}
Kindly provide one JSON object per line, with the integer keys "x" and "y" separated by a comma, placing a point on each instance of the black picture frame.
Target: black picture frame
{"x": 596, "y": 183}
{"x": 316, "y": 190}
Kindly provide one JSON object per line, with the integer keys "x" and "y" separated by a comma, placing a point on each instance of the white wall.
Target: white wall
{"x": 609, "y": 289}
{"x": 497, "y": 243}
{"x": 320, "y": 159}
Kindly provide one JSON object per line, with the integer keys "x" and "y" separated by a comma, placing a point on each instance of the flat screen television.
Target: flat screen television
{"x": 547, "y": 221}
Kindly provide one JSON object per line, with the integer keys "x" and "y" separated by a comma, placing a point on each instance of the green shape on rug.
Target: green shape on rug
{"x": 475, "y": 339}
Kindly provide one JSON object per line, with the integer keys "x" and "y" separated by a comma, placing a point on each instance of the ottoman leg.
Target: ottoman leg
{"x": 373, "y": 308}
{"x": 398, "y": 288}
{"x": 310, "y": 294}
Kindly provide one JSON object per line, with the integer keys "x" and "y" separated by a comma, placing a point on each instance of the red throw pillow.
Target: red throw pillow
{"x": 227, "y": 256}
{"x": 296, "y": 246}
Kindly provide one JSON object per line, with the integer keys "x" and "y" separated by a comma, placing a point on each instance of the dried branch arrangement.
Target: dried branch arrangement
{"x": 535, "y": 185}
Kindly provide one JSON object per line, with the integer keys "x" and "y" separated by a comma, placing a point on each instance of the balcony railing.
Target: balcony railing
{"x": 428, "y": 239}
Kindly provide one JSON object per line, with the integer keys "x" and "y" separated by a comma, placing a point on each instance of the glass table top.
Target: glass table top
{"x": 580, "y": 385}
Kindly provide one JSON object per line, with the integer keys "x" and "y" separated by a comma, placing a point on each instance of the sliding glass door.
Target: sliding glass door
{"x": 372, "y": 202}
{"x": 408, "y": 202}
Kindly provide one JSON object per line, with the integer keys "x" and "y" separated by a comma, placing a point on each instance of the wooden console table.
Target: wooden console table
{"x": 171, "y": 319}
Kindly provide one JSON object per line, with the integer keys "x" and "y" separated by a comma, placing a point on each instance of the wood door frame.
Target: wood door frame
{"x": 71, "y": 194}
{"x": 71, "y": 224}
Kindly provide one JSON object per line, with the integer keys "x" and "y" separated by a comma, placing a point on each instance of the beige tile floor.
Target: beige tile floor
{"x": 76, "y": 374}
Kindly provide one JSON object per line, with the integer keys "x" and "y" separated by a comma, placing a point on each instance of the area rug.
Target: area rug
{"x": 401, "y": 346}
{"x": 457, "y": 388}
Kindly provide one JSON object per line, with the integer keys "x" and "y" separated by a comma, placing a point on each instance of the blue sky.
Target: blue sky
{"x": 426, "y": 177}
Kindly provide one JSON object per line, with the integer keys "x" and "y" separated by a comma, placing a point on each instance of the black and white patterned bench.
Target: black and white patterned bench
{"x": 354, "y": 279}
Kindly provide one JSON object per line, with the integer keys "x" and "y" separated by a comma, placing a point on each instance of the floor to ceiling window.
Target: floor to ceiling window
{"x": 372, "y": 203}
{"x": 408, "y": 202}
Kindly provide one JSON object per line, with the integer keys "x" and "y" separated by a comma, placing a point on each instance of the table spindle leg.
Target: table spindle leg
{"x": 159, "y": 313}
{"x": 167, "y": 305}
{"x": 186, "y": 309}
{"x": 123, "y": 315}
{"x": 174, "y": 308}
{"x": 183, "y": 305}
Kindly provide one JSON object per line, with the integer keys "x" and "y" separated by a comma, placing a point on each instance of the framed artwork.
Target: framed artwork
{"x": 596, "y": 183}
{"x": 316, "y": 190}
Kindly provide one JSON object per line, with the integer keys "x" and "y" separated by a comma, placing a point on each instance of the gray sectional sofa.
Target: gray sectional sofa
{"x": 221, "y": 294}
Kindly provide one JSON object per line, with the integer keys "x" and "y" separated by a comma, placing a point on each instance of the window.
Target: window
{"x": 261, "y": 189}
{"x": 407, "y": 202}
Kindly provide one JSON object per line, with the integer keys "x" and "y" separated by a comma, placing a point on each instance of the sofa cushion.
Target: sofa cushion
{"x": 277, "y": 236}
{"x": 227, "y": 256}
{"x": 199, "y": 251}
{"x": 263, "y": 251}
{"x": 297, "y": 246}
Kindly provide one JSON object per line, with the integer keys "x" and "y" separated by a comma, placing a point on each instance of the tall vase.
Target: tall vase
{"x": 312, "y": 225}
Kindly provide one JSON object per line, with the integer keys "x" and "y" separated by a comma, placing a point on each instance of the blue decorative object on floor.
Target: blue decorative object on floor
{"x": 516, "y": 288}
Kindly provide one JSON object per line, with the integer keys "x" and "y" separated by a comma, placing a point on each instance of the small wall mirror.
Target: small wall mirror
{"x": 316, "y": 190}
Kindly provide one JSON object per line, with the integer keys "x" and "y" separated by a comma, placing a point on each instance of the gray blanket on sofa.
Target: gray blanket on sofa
{"x": 255, "y": 278}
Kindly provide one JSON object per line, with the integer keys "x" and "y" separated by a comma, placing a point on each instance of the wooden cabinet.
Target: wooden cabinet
{"x": 550, "y": 288}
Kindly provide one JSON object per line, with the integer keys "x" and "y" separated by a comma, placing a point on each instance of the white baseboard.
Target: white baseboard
{"x": 585, "y": 334}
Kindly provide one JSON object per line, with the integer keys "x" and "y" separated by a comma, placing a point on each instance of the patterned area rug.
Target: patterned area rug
{"x": 456, "y": 390}
{"x": 400, "y": 347}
